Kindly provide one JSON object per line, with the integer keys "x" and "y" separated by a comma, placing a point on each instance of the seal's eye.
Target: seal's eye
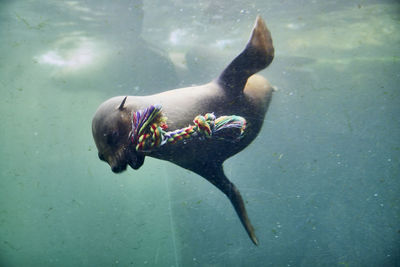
{"x": 112, "y": 139}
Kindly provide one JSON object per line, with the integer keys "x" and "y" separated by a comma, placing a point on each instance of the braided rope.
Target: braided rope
{"x": 149, "y": 129}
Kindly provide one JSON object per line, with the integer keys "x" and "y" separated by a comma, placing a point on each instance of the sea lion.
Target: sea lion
{"x": 235, "y": 92}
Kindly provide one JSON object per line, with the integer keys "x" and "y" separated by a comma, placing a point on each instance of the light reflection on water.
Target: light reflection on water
{"x": 73, "y": 53}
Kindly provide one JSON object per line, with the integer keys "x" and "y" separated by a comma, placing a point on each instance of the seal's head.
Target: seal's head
{"x": 111, "y": 128}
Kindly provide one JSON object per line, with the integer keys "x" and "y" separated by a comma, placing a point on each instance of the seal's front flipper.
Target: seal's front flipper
{"x": 257, "y": 55}
{"x": 214, "y": 173}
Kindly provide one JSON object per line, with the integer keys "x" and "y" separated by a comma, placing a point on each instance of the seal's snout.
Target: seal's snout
{"x": 118, "y": 168}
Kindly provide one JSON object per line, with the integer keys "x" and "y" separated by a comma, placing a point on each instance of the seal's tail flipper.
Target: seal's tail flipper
{"x": 257, "y": 55}
{"x": 215, "y": 175}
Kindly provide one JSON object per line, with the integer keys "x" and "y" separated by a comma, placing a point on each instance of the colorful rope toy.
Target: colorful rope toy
{"x": 149, "y": 129}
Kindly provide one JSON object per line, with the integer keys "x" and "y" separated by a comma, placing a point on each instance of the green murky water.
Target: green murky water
{"x": 321, "y": 182}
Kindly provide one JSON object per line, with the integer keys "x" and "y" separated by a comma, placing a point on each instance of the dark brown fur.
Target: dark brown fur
{"x": 235, "y": 92}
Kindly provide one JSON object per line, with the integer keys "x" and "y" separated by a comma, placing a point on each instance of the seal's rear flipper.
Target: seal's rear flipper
{"x": 214, "y": 173}
{"x": 257, "y": 55}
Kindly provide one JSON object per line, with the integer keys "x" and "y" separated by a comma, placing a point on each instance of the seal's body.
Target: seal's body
{"x": 235, "y": 92}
